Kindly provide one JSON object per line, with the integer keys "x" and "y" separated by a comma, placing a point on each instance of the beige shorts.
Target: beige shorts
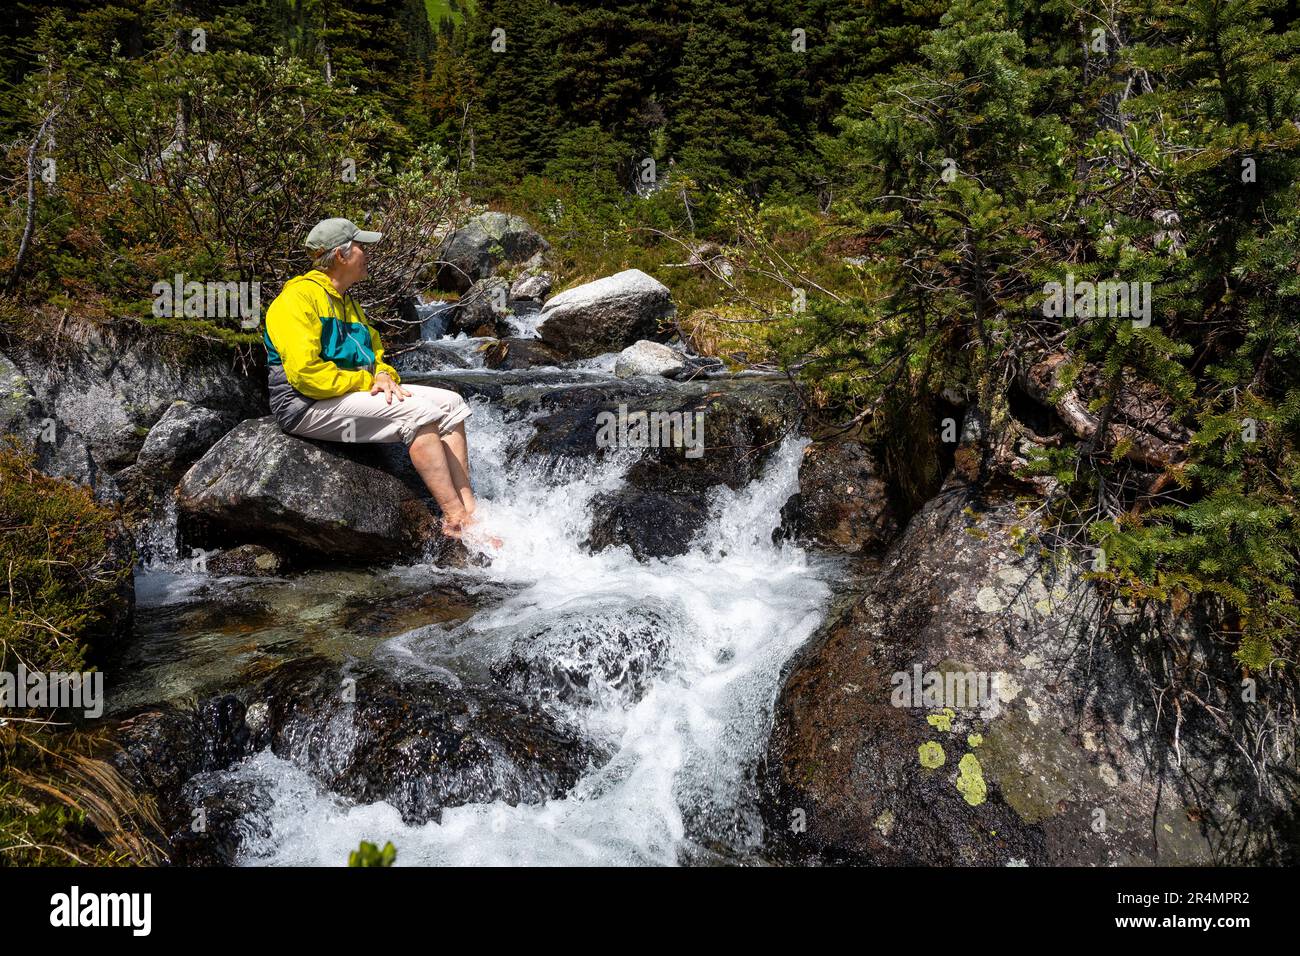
{"x": 362, "y": 417}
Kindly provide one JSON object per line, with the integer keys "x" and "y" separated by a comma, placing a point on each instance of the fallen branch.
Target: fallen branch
{"x": 1043, "y": 383}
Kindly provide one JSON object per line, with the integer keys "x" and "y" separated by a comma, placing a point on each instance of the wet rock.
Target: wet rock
{"x": 224, "y": 813}
{"x": 843, "y": 504}
{"x": 416, "y": 742}
{"x": 159, "y": 748}
{"x": 483, "y": 311}
{"x": 364, "y": 733}
{"x": 514, "y": 353}
{"x": 666, "y": 498}
{"x": 716, "y": 434}
{"x": 607, "y": 315}
{"x": 1049, "y": 750}
{"x": 485, "y": 246}
{"x": 247, "y": 560}
{"x": 648, "y": 358}
{"x": 533, "y": 288}
{"x": 650, "y": 523}
{"x": 362, "y": 502}
{"x": 427, "y": 357}
{"x": 590, "y": 657}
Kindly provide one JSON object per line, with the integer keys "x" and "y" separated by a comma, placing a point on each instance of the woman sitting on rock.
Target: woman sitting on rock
{"x": 328, "y": 379}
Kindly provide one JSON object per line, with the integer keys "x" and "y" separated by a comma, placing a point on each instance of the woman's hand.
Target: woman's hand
{"x": 384, "y": 383}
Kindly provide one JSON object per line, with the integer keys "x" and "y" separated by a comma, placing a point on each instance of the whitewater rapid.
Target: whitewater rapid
{"x": 684, "y": 656}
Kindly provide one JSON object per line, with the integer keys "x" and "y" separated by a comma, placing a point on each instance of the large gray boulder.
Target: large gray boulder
{"x": 486, "y": 245}
{"x": 60, "y": 452}
{"x": 318, "y": 499}
{"x": 607, "y": 315}
{"x": 111, "y": 393}
{"x": 1043, "y": 744}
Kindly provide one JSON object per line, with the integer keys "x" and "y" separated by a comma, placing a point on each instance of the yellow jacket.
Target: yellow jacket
{"x": 321, "y": 340}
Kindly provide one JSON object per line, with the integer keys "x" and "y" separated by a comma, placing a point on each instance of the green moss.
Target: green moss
{"x": 59, "y": 592}
{"x": 61, "y": 579}
{"x": 975, "y": 739}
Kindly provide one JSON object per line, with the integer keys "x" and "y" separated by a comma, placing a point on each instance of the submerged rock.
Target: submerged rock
{"x": 484, "y": 246}
{"x": 607, "y": 315}
{"x": 362, "y": 502}
{"x": 591, "y": 658}
{"x": 1037, "y": 742}
{"x": 514, "y": 353}
{"x": 366, "y": 734}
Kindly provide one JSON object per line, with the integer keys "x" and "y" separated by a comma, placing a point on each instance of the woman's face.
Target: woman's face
{"x": 357, "y": 262}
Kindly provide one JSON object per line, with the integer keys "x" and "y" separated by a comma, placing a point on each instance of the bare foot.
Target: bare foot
{"x": 453, "y": 526}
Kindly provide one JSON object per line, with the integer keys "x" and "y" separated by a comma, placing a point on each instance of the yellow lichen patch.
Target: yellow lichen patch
{"x": 942, "y": 720}
{"x": 931, "y": 755}
{"x": 970, "y": 780}
{"x": 975, "y": 739}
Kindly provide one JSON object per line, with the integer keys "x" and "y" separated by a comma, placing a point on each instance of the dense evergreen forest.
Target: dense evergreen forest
{"x": 924, "y": 211}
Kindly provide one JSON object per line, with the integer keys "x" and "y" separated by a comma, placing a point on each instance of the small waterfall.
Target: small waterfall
{"x": 523, "y": 318}
{"x": 157, "y": 538}
{"x": 434, "y": 317}
{"x": 670, "y": 666}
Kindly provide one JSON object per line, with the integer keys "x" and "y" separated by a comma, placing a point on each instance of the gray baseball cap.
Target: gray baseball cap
{"x": 332, "y": 233}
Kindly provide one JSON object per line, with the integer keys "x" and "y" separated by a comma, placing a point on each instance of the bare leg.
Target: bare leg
{"x": 458, "y": 465}
{"x": 431, "y": 461}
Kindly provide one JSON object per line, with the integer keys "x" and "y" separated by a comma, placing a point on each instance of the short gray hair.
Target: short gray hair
{"x": 328, "y": 257}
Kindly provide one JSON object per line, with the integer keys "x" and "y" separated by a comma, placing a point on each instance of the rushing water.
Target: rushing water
{"x": 684, "y": 656}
